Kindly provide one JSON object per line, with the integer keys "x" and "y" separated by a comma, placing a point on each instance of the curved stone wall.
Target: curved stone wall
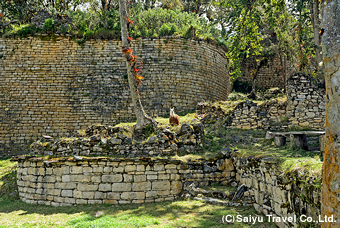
{"x": 66, "y": 181}
{"x": 53, "y": 87}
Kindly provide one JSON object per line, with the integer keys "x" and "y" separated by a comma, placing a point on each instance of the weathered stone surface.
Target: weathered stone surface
{"x": 143, "y": 186}
{"x": 161, "y": 185}
{"x": 105, "y": 187}
{"x": 132, "y": 195}
{"x": 121, "y": 187}
{"x": 112, "y": 178}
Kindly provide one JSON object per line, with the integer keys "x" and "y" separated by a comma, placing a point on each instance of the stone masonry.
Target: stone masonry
{"x": 53, "y": 86}
{"x": 304, "y": 107}
{"x": 306, "y": 102}
{"x": 67, "y": 181}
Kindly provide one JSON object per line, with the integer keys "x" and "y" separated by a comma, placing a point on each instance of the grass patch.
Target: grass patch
{"x": 183, "y": 213}
{"x": 8, "y": 181}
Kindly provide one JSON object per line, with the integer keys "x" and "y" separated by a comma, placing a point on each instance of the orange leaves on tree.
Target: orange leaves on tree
{"x": 138, "y": 77}
{"x": 130, "y": 38}
{"x": 133, "y": 58}
{"x": 127, "y": 51}
{"x": 1, "y": 15}
{"x": 129, "y": 21}
{"x": 136, "y": 70}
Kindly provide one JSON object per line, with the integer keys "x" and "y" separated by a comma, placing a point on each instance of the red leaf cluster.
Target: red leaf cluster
{"x": 127, "y": 51}
{"x": 129, "y": 21}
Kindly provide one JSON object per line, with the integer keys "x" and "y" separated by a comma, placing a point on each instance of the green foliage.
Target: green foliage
{"x": 167, "y": 29}
{"x": 48, "y": 25}
{"x": 160, "y": 21}
{"x": 23, "y": 30}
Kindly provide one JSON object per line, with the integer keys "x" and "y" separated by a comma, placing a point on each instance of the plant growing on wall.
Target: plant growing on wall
{"x": 134, "y": 79}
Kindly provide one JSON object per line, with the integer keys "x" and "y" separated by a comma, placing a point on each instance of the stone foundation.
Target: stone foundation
{"x": 67, "y": 181}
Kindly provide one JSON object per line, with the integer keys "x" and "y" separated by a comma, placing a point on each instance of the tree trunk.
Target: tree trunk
{"x": 330, "y": 191}
{"x": 142, "y": 119}
{"x": 316, "y": 31}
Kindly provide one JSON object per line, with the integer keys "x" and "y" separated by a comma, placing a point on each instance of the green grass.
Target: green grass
{"x": 182, "y": 213}
{"x": 8, "y": 187}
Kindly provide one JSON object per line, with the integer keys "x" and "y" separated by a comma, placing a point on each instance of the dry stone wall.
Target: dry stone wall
{"x": 67, "y": 181}
{"x": 110, "y": 141}
{"x": 53, "y": 86}
{"x": 270, "y": 75}
{"x": 268, "y": 115}
{"x": 306, "y": 102}
{"x": 276, "y": 194}
{"x": 304, "y": 107}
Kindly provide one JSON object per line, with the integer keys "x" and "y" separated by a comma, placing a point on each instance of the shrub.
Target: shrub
{"x": 167, "y": 29}
{"x": 48, "y": 25}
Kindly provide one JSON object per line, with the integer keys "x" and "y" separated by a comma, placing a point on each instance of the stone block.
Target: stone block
{"x": 118, "y": 169}
{"x": 161, "y": 185}
{"x": 152, "y": 177}
{"x": 130, "y": 168}
{"x": 170, "y": 166}
{"x": 108, "y": 201}
{"x": 66, "y": 193}
{"x": 132, "y": 195}
{"x": 113, "y": 195}
{"x": 87, "y": 169}
{"x": 76, "y": 169}
{"x": 176, "y": 187}
{"x": 107, "y": 169}
{"x": 105, "y": 187}
{"x": 88, "y": 195}
{"x": 81, "y": 201}
{"x": 100, "y": 195}
{"x": 49, "y": 179}
{"x": 77, "y": 194}
{"x": 96, "y": 179}
{"x": 67, "y": 185}
{"x": 97, "y": 169}
{"x": 158, "y": 167}
{"x": 175, "y": 177}
{"x": 81, "y": 178}
{"x": 59, "y": 199}
{"x": 65, "y": 170}
{"x": 137, "y": 201}
{"x": 128, "y": 178}
{"x": 70, "y": 200}
{"x": 141, "y": 186}
{"x": 65, "y": 178}
{"x": 94, "y": 201}
{"x": 140, "y": 168}
{"x": 139, "y": 178}
{"x": 112, "y": 178}
{"x": 163, "y": 176}
{"x": 53, "y": 192}
{"x": 121, "y": 187}
{"x": 87, "y": 187}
